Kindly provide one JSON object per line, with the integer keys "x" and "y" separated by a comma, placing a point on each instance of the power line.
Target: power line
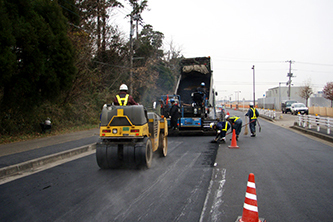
{"x": 265, "y": 61}
{"x": 72, "y": 4}
{"x": 69, "y": 10}
{"x": 249, "y": 61}
{"x": 303, "y": 70}
{"x": 103, "y": 63}
{"x": 243, "y": 83}
{"x": 317, "y": 64}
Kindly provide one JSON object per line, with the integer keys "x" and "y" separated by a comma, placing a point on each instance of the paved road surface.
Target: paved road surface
{"x": 294, "y": 176}
{"x": 293, "y": 172}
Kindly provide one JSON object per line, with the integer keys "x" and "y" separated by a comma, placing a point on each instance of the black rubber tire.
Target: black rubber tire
{"x": 144, "y": 153}
{"x": 163, "y": 145}
{"x": 113, "y": 156}
{"x": 107, "y": 156}
{"x": 129, "y": 155}
{"x": 101, "y": 156}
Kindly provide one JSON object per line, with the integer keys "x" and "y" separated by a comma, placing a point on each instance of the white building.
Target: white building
{"x": 274, "y": 97}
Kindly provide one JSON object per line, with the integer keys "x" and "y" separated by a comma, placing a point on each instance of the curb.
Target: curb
{"x": 267, "y": 118}
{"x": 313, "y": 133}
{"x": 31, "y": 164}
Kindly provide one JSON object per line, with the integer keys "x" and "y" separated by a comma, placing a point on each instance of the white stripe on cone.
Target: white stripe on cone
{"x": 251, "y": 196}
{"x": 250, "y": 207}
{"x": 252, "y": 185}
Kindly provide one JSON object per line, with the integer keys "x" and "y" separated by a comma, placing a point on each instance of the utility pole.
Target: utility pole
{"x": 290, "y": 75}
{"x": 280, "y": 97}
{"x": 131, "y": 57}
{"x": 254, "y": 88}
{"x": 237, "y": 98}
{"x": 137, "y": 18}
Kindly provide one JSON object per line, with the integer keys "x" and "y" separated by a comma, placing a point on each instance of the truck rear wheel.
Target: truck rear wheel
{"x": 163, "y": 145}
{"x": 144, "y": 153}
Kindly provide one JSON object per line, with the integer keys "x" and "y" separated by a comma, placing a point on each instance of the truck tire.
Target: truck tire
{"x": 163, "y": 145}
{"x": 144, "y": 153}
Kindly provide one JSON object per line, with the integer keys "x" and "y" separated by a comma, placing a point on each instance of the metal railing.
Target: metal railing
{"x": 268, "y": 113}
{"x": 310, "y": 121}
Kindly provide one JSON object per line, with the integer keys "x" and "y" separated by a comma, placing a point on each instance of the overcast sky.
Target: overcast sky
{"x": 238, "y": 34}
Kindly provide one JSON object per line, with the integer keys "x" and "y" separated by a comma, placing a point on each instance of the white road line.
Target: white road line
{"x": 218, "y": 177}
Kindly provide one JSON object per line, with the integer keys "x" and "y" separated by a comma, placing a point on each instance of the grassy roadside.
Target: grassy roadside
{"x": 4, "y": 139}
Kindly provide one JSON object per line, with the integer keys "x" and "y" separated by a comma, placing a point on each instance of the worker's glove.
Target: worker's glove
{"x": 219, "y": 131}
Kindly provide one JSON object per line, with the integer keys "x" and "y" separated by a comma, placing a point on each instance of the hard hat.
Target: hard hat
{"x": 172, "y": 100}
{"x": 123, "y": 87}
{"x": 226, "y": 116}
{"x": 251, "y": 103}
{"x": 202, "y": 84}
{"x": 211, "y": 125}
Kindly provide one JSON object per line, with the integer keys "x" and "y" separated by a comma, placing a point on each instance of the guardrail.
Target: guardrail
{"x": 315, "y": 121}
{"x": 268, "y": 113}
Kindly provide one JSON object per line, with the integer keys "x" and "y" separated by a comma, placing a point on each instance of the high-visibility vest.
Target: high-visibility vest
{"x": 226, "y": 126}
{"x": 235, "y": 118}
{"x": 254, "y": 113}
{"x": 122, "y": 101}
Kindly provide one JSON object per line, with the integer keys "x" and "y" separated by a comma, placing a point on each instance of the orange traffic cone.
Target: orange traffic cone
{"x": 233, "y": 141}
{"x": 250, "y": 208}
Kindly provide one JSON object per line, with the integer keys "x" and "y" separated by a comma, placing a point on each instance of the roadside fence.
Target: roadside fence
{"x": 268, "y": 113}
{"x": 309, "y": 121}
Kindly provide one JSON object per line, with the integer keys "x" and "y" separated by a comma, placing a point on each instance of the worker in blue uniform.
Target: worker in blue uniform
{"x": 221, "y": 130}
{"x": 236, "y": 123}
{"x": 253, "y": 114}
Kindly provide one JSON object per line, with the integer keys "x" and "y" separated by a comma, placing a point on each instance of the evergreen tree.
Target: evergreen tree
{"x": 36, "y": 57}
{"x": 40, "y": 52}
{"x": 7, "y": 55}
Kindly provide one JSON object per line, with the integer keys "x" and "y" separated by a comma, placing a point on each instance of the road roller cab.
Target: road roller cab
{"x": 129, "y": 135}
{"x": 124, "y": 121}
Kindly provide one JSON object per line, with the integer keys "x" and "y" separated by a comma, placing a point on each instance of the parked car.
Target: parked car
{"x": 285, "y": 105}
{"x": 299, "y": 108}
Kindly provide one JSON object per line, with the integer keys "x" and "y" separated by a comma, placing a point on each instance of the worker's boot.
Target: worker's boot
{"x": 222, "y": 140}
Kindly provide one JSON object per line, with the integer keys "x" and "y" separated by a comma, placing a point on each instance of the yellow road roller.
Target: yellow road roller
{"x": 129, "y": 135}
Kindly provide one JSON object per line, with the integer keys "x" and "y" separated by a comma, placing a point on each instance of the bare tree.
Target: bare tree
{"x": 306, "y": 91}
{"x": 328, "y": 92}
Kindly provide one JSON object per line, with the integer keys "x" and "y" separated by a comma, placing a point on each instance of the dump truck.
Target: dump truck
{"x": 129, "y": 135}
{"x": 197, "y": 109}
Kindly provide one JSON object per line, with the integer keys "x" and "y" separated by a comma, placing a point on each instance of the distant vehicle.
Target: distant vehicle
{"x": 285, "y": 105}
{"x": 299, "y": 108}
